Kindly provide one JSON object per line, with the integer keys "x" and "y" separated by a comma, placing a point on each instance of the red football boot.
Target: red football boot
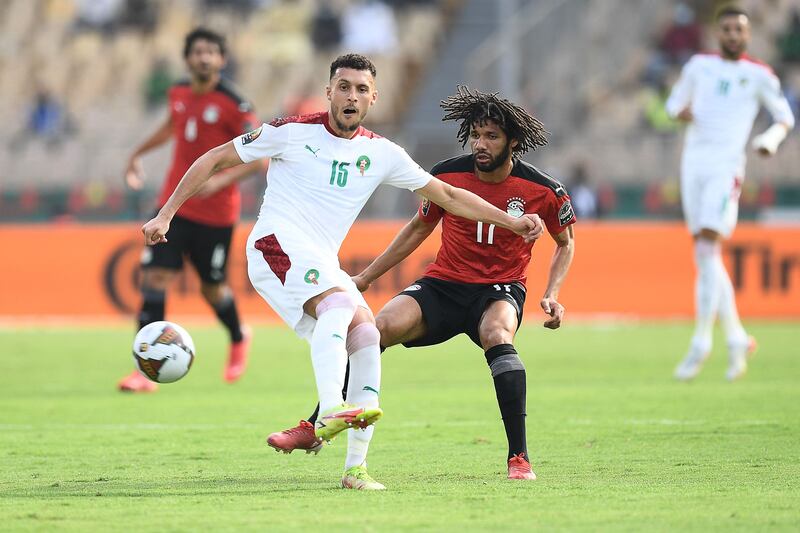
{"x": 520, "y": 468}
{"x": 237, "y": 356}
{"x": 136, "y": 382}
{"x": 300, "y": 437}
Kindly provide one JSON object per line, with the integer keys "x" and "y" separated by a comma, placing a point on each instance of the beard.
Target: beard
{"x": 346, "y": 127}
{"x": 733, "y": 51}
{"x": 495, "y": 162}
{"x": 202, "y": 75}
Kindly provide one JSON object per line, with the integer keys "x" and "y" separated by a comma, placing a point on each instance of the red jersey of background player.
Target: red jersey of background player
{"x": 201, "y": 122}
{"x": 474, "y": 252}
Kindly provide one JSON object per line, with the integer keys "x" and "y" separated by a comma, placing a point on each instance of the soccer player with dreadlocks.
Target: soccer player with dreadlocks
{"x": 476, "y": 285}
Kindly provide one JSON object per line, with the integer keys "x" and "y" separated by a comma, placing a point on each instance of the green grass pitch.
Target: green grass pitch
{"x": 617, "y": 445}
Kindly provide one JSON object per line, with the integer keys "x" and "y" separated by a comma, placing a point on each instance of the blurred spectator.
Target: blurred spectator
{"x": 48, "y": 119}
{"x": 140, "y": 14}
{"x": 369, "y": 28}
{"x": 98, "y": 15}
{"x": 683, "y": 38}
{"x": 158, "y": 82}
{"x": 584, "y": 197}
{"x": 326, "y": 29}
{"x": 789, "y": 42}
{"x": 654, "y": 111}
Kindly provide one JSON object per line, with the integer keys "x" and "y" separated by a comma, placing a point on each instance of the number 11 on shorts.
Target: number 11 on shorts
{"x": 489, "y": 237}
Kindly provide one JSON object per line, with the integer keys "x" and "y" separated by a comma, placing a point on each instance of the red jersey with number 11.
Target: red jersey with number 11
{"x": 201, "y": 122}
{"x": 474, "y": 252}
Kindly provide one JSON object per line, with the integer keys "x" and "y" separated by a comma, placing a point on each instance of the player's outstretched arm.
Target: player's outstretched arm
{"x": 562, "y": 259}
{"x": 771, "y": 96}
{"x": 216, "y": 159}
{"x": 463, "y": 203}
{"x": 406, "y": 241}
{"x": 134, "y": 173}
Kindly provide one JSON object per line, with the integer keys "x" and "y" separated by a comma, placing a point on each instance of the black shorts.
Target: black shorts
{"x": 450, "y": 308}
{"x": 205, "y": 246}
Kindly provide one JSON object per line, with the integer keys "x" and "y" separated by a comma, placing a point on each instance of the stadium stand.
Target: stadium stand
{"x": 599, "y": 88}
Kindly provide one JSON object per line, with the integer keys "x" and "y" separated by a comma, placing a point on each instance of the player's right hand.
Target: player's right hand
{"x": 361, "y": 283}
{"x": 556, "y": 311}
{"x": 529, "y": 226}
{"x": 155, "y": 231}
{"x": 134, "y": 174}
{"x": 685, "y": 115}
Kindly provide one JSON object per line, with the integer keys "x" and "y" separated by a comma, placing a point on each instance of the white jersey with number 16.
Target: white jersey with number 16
{"x": 317, "y": 183}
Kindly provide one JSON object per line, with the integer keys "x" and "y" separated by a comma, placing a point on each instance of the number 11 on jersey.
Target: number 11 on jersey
{"x": 489, "y": 236}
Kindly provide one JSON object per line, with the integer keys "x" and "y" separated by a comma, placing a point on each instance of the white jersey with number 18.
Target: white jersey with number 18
{"x": 724, "y": 97}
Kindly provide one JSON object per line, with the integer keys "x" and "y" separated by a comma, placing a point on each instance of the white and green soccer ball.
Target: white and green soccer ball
{"x": 163, "y": 351}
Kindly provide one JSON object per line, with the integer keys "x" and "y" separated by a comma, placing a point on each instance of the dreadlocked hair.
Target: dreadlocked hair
{"x": 474, "y": 107}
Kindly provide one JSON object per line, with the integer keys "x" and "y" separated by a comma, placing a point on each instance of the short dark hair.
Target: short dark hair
{"x": 353, "y": 61}
{"x": 730, "y": 10}
{"x": 203, "y": 34}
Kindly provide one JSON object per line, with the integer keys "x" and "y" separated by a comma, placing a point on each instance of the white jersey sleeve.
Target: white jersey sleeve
{"x": 772, "y": 98}
{"x": 681, "y": 95}
{"x": 265, "y": 141}
{"x": 404, "y": 172}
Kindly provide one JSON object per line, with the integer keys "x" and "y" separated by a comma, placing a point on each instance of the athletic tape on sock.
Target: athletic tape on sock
{"x": 362, "y": 336}
{"x": 506, "y": 363}
{"x": 340, "y": 300}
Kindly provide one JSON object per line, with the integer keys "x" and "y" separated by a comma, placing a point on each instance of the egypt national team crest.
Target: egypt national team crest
{"x": 362, "y": 163}
{"x": 312, "y": 277}
{"x": 247, "y": 138}
{"x": 211, "y": 114}
{"x": 516, "y": 207}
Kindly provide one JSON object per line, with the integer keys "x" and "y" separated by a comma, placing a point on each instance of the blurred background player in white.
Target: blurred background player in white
{"x": 324, "y": 167}
{"x": 204, "y": 111}
{"x": 719, "y": 95}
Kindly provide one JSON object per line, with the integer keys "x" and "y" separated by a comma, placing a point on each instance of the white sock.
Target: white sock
{"x": 728, "y": 313}
{"x": 707, "y": 293}
{"x": 362, "y": 390}
{"x": 328, "y": 349}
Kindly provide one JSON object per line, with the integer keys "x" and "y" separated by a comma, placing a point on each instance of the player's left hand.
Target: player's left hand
{"x": 155, "y": 231}
{"x": 555, "y": 310}
{"x": 529, "y": 226}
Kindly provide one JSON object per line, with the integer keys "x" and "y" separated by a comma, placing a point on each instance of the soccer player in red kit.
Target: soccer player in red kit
{"x": 204, "y": 111}
{"x": 476, "y": 285}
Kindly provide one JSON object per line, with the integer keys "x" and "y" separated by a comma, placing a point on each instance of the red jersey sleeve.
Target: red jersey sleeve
{"x": 429, "y": 212}
{"x": 558, "y": 213}
{"x": 248, "y": 121}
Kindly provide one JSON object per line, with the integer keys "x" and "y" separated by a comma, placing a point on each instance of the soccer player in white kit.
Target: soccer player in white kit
{"x": 324, "y": 167}
{"x": 719, "y": 95}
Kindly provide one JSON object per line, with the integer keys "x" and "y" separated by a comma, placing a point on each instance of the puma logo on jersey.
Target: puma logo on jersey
{"x": 312, "y": 150}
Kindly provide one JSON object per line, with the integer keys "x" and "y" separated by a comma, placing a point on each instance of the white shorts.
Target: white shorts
{"x": 287, "y": 269}
{"x": 710, "y": 196}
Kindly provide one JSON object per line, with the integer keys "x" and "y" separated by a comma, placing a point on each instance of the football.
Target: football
{"x": 163, "y": 351}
